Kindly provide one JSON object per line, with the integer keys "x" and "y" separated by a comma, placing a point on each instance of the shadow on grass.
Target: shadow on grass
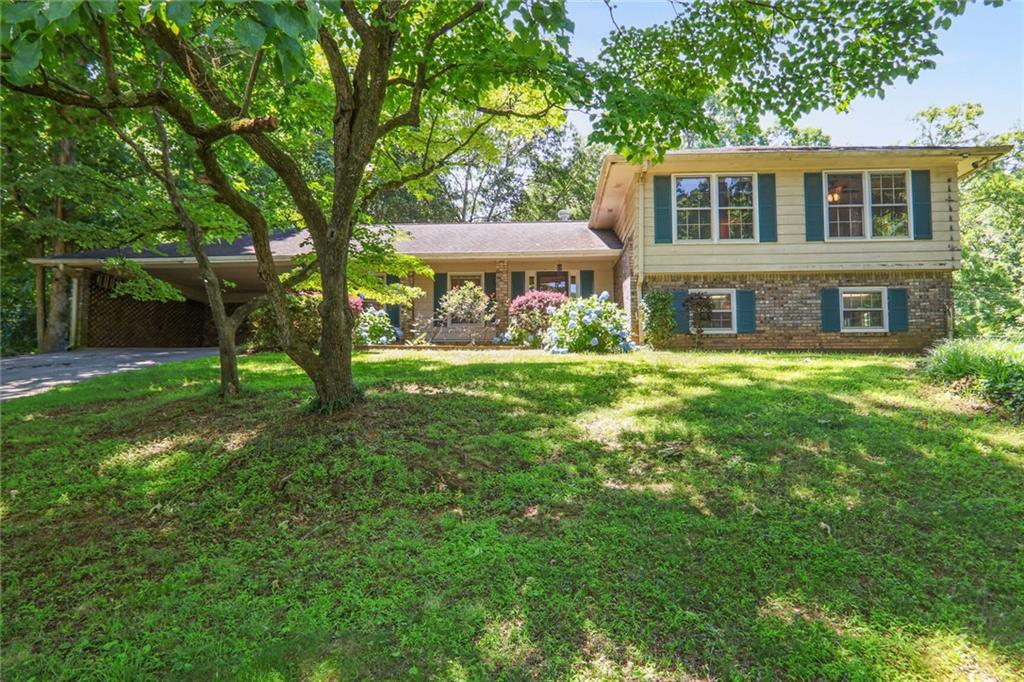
{"x": 688, "y": 515}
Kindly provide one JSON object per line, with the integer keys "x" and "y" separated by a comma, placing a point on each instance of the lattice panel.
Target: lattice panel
{"x": 125, "y": 322}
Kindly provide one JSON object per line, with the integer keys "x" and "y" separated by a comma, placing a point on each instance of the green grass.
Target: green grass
{"x": 515, "y": 515}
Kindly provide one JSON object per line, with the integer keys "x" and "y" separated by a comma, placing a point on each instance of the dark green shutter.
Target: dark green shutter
{"x": 899, "y": 317}
{"x": 662, "y": 209}
{"x": 440, "y": 288}
{"x": 768, "y": 221}
{"x": 491, "y": 283}
{"x": 921, "y": 194}
{"x": 518, "y": 284}
{"x": 682, "y": 313}
{"x": 393, "y": 311}
{"x": 586, "y": 283}
{"x": 745, "y": 309}
{"x": 830, "y": 310}
{"x": 814, "y": 208}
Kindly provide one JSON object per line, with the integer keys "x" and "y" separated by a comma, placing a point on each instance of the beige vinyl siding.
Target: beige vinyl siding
{"x": 792, "y": 252}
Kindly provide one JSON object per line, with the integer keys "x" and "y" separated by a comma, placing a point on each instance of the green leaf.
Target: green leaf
{"x": 61, "y": 9}
{"x": 290, "y": 20}
{"x": 250, "y": 33}
{"x": 103, "y": 8}
{"x": 17, "y": 12}
{"x": 25, "y": 56}
{"x": 179, "y": 11}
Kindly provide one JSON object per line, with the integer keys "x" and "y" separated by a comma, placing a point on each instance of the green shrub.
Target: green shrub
{"x": 374, "y": 326}
{"x": 592, "y": 325}
{"x": 659, "y": 319}
{"x": 529, "y": 317}
{"x": 995, "y": 368}
{"x": 467, "y": 304}
{"x": 305, "y": 309}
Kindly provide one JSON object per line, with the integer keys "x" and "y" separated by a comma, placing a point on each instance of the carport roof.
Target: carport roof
{"x": 433, "y": 240}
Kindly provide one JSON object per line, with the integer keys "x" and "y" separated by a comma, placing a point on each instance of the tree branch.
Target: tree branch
{"x": 251, "y": 83}
{"x": 108, "y": 60}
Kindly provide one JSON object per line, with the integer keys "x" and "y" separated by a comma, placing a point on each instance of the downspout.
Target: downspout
{"x": 638, "y": 235}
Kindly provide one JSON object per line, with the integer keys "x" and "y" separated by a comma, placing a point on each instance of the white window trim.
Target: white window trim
{"x": 865, "y": 330}
{"x": 869, "y": 227}
{"x": 732, "y": 306}
{"x": 479, "y": 278}
{"x": 714, "y": 210}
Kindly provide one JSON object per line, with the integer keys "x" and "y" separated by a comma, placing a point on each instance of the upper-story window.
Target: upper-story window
{"x": 715, "y": 208}
{"x": 881, "y": 212}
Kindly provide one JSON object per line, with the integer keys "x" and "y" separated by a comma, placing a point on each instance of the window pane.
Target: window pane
{"x": 863, "y": 310}
{"x": 553, "y": 281}
{"x": 736, "y": 223}
{"x": 458, "y": 280}
{"x": 693, "y": 192}
{"x": 889, "y": 188}
{"x": 845, "y": 221}
{"x": 862, "y": 299}
{"x": 694, "y": 223}
{"x": 721, "y": 312}
{"x": 863, "y": 319}
{"x": 890, "y": 221}
{"x": 845, "y": 189}
{"x": 735, "y": 191}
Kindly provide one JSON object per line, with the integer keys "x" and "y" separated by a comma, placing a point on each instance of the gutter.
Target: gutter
{"x": 469, "y": 255}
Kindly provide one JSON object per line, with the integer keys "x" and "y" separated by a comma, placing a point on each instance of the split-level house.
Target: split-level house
{"x": 848, "y": 248}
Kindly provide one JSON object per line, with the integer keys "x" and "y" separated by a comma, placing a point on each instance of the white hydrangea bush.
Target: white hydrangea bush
{"x": 588, "y": 325}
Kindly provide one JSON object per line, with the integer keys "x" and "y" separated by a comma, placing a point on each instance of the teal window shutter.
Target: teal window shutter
{"x": 518, "y": 284}
{"x": 814, "y": 208}
{"x": 766, "y": 214}
{"x": 586, "y": 283}
{"x": 921, "y": 194}
{"x": 899, "y": 316}
{"x": 681, "y": 311}
{"x": 746, "y": 322}
{"x": 440, "y": 288}
{"x": 830, "y": 310}
{"x": 491, "y": 283}
{"x": 392, "y": 309}
{"x": 662, "y": 209}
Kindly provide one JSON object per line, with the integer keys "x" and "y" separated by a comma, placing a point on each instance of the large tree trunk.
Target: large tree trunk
{"x": 40, "y": 290}
{"x": 333, "y": 377}
{"x": 55, "y": 338}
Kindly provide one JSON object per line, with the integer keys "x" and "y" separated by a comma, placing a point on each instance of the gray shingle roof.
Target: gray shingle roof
{"x": 440, "y": 239}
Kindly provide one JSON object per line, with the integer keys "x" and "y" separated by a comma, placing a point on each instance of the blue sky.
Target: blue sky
{"x": 982, "y": 61}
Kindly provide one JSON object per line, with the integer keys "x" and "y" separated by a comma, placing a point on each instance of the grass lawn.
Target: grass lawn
{"x": 515, "y": 515}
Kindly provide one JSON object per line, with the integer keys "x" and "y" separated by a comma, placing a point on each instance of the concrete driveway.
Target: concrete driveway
{"x": 29, "y": 374}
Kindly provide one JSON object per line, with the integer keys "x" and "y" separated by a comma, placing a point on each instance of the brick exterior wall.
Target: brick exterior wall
{"x": 788, "y": 309}
{"x": 625, "y": 270}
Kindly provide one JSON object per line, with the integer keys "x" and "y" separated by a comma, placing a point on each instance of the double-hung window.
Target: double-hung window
{"x": 863, "y": 310}
{"x": 868, "y": 205}
{"x": 722, "y": 316}
{"x": 715, "y": 208}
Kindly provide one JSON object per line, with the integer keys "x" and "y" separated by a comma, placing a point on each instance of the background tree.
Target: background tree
{"x": 988, "y": 289}
{"x": 562, "y": 170}
{"x": 422, "y": 72}
{"x": 69, "y": 185}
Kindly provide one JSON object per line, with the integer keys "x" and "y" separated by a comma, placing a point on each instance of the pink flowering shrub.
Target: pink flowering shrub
{"x": 529, "y": 316}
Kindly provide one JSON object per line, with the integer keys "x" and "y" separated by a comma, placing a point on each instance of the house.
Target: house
{"x": 847, "y": 248}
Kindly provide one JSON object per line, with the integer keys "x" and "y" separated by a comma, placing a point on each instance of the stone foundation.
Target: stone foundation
{"x": 788, "y": 310}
